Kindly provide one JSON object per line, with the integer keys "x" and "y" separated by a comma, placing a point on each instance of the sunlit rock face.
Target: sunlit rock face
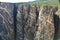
{"x": 45, "y": 24}
{"x": 35, "y": 22}
{"x": 6, "y": 21}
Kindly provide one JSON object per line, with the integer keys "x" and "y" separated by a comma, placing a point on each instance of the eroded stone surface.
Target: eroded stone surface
{"x": 46, "y": 24}
{"x": 35, "y": 22}
{"x": 6, "y": 21}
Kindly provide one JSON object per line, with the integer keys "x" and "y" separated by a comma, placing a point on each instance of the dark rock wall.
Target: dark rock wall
{"x": 57, "y": 25}
{"x": 6, "y": 21}
{"x": 27, "y": 22}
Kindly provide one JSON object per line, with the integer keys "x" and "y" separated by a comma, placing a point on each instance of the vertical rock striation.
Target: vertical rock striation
{"x": 35, "y": 22}
{"x": 6, "y": 21}
{"x": 26, "y": 22}
{"x": 46, "y": 24}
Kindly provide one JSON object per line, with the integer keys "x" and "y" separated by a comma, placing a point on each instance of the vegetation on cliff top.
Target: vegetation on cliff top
{"x": 44, "y": 2}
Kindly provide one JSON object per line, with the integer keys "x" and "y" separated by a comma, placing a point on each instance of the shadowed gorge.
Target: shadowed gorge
{"x": 15, "y": 20}
{"x": 56, "y": 25}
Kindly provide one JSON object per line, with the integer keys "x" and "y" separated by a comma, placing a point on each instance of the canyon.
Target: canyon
{"x": 29, "y": 22}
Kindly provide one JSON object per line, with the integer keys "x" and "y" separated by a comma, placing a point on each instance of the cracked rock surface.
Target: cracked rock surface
{"x": 28, "y": 22}
{"x": 35, "y": 22}
{"x": 6, "y": 21}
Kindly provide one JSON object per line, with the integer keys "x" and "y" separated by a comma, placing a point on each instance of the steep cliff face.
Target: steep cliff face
{"x": 28, "y": 22}
{"x": 6, "y": 21}
{"x": 35, "y": 22}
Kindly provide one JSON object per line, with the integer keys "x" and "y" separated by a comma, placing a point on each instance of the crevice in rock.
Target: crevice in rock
{"x": 15, "y": 19}
{"x": 37, "y": 15}
{"x": 56, "y": 25}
